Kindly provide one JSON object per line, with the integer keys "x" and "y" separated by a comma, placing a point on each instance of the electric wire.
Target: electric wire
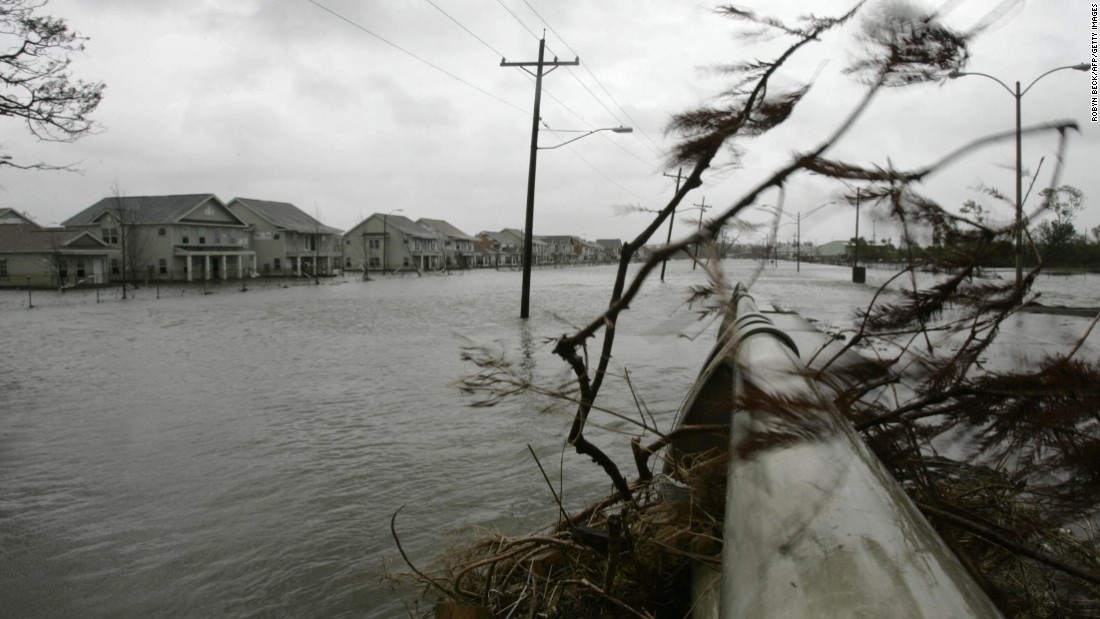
{"x": 414, "y": 56}
{"x": 653, "y": 145}
{"x": 516, "y": 17}
{"x": 460, "y": 25}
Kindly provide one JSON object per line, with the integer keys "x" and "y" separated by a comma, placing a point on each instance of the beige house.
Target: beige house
{"x": 497, "y": 249}
{"x": 171, "y": 238}
{"x": 540, "y": 249}
{"x": 458, "y": 247}
{"x": 387, "y": 242}
{"x": 31, "y": 255}
{"x": 287, "y": 240}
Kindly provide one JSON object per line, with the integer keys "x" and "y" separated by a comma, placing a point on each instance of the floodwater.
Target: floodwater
{"x": 242, "y": 454}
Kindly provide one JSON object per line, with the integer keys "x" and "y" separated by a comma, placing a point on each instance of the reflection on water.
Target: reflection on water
{"x": 242, "y": 453}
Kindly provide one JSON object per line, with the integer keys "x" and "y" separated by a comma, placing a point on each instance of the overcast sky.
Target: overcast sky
{"x": 284, "y": 100}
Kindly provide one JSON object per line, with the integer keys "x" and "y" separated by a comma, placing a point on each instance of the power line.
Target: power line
{"x": 414, "y": 56}
{"x": 654, "y": 147}
{"x": 516, "y": 17}
{"x": 459, "y": 24}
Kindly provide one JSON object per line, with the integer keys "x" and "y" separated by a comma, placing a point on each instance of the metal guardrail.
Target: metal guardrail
{"x": 814, "y": 524}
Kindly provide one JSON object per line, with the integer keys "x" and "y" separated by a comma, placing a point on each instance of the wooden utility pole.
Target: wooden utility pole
{"x": 528, "y": 233}
{"x": 703, "y": 206}
{"x": 678, "y": 177}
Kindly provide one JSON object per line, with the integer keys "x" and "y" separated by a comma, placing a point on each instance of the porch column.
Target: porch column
{"x": 190, "y": 268}
{"x": 225, "y": 267}
{"x": 240, "y": 266}
{"x": 206, "y": 267}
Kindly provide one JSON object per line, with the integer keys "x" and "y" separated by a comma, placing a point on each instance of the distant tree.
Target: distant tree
{"x": 1058, "y": 236}
{"x": 133, "y": 244}
{"x": 974, "y": 209}
{"x": 34, "y": 73}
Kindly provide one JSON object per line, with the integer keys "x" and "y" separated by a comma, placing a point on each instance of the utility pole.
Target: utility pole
{"x": 528, "y": 233}
{"x": 678, "y": 177}
{"x": 703, "y": 206}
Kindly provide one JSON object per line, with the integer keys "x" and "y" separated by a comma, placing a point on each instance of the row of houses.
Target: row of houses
{"x": 198, "y": 237}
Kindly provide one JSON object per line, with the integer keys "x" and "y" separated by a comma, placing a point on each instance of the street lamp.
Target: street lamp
{"x": 386, "y": 237}
{"x": 528, "y": 231}
{"x": 1018, "y": 95}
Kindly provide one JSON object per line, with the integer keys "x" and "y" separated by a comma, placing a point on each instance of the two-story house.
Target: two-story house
{"x": 612, "y": 248}
{"x": 389, "y": 242}
{"x": 287, "y": 240}
{"x": 503, "y": 250}
{"x": 31, "y": 255}
{"x": 458, "y": 247}
{"x": 540, "y": 250}
{"x": 182, "y": 237}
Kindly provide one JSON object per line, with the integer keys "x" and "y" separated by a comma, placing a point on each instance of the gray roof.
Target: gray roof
{"x": 285, "y": 215}
{"x": 145, "y": 209}
{"x": 445, "y": 228}
{"x": 21, "y": 238}
{"x": 406, "y": 226}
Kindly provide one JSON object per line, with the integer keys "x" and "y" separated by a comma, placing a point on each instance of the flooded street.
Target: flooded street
{"x": 241, "y": 454}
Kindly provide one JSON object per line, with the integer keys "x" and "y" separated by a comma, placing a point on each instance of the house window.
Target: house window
{"x": 276, "y": 236}
{"x": 80, "y": 268}
{"x": 162, "y": 232}
{"x": 347, "y": 263}
{"x": 185, "y": 239}
{"x": 277, "y": 264}
{"x": 110, "y": 235}
{"x": 375, "y": 261}
{"x": 374, "y": 244}
{"x": 217, "y": 237}
{"x": 114, "y": 266}
{"x": 3, "y": 268}
{"x": 202, "y": 240}
{"x": 163, "y": 266}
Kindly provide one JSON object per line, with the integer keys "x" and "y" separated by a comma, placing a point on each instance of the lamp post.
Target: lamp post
{"x": 386, "y": 237}
{"x": 1019, "y": 95}
{"x": 528, "y": 230}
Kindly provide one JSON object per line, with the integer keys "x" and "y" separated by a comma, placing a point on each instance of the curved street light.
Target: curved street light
{"x": 586, "y": 134}
{"x": 528, "y": 231}
{"x": 1018, "y": 95}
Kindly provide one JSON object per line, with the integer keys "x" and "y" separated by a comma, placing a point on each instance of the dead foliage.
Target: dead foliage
{"x": 1006, "y": 465}
{"x": 614, "y": 559}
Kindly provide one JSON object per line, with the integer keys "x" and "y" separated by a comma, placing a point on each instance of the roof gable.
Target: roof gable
{"x": 282, "y": 215}
{"x": 10, "y": 216}
{"x": 445, "y": 228}
{"x": 189, "y": 208}
{"x": 34, "y": 238}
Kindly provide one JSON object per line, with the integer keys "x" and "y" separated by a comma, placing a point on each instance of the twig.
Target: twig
{"x": 561, "y": 509}
{"x": 422, "y": 575}
{"x": 991, "y": 535}
{"x": 610, "y": 598}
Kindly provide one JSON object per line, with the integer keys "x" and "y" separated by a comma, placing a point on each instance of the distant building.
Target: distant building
{"x": 51, "y": 257}
{"x": 287, "y": 240}
{"x": 179, "y": 237}
{"x": 831, "y": 252}
{"x": 502, "y": 250}
{"x": 612, "y": 248}
{"x": 388, "y": 242}
{"x": 458, "y": 247}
